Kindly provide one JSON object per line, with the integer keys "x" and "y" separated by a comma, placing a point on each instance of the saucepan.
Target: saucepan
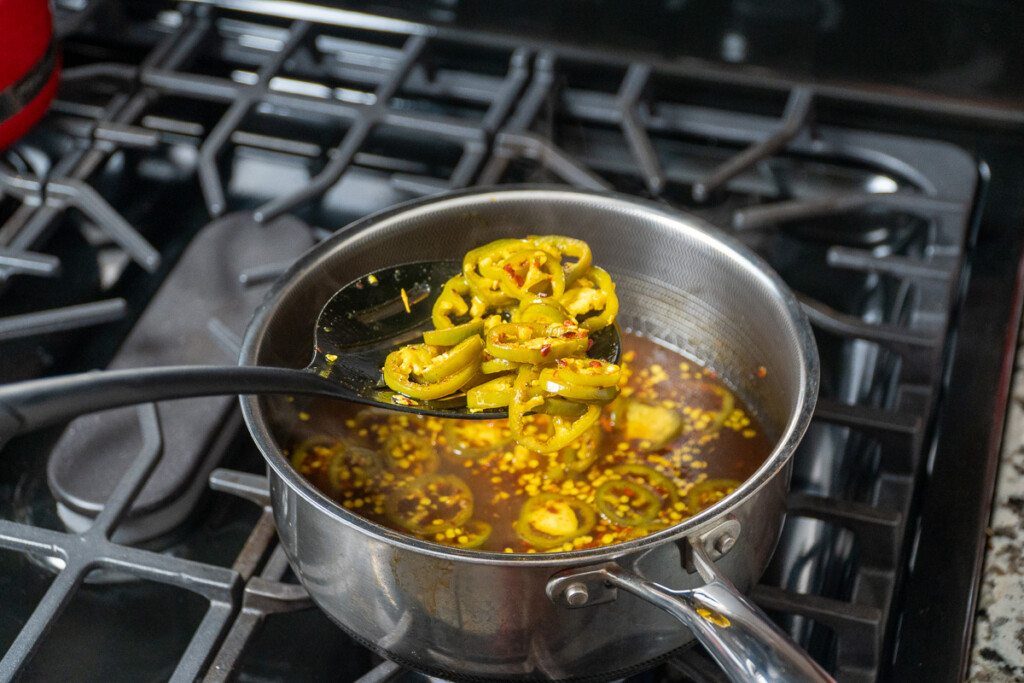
{"x": 594, "y": 614}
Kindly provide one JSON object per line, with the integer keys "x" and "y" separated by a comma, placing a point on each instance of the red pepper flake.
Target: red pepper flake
{"x": 359, "y": 284}
{"x": 590, "y": 344}
{"x": 569, "y": 322}
{"x": 512, "y": 274}
{"x": 762, "y": 371}
{"x": 561, "y": 362}
{"x": 545, "y": 350}
{"x": 595, "y": 363}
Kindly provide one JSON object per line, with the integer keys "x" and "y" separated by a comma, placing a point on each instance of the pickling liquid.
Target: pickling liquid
{"x": 676, "y": 441}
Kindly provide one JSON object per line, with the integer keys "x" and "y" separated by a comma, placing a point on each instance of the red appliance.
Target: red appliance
{"x": 29, "y": 65}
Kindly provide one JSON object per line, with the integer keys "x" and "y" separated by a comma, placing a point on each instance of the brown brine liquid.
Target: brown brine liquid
{"x": 676, "y": 441}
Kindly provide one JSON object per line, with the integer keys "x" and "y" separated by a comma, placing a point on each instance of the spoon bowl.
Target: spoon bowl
{"x": 380, "y": 312}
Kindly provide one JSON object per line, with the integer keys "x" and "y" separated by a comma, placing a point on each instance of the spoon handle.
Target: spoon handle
{"x": 29, "y": 405}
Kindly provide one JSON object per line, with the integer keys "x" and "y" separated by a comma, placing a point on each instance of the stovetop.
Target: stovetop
{"x": 194, "y": 150}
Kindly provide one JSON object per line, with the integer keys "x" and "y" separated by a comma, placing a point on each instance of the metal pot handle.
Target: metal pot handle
{"x": 740, "y": 637}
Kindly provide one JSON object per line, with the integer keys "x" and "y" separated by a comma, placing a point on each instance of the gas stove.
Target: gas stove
{"x": 195, "y": 149}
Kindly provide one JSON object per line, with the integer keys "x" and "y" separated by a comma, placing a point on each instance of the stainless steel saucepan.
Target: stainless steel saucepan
{"x": 590, "y": 614}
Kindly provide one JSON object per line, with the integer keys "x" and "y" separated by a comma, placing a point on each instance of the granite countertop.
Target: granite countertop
{"x": 998, "y": 651}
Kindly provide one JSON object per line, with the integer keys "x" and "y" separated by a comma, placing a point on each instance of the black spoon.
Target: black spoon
{"x": 364, "y": 321}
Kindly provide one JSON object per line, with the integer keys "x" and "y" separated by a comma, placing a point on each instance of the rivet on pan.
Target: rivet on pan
{"x": 576, "y": 594}
{"x": 724, "y": 544}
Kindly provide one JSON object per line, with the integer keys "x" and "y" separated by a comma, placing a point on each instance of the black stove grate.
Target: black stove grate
{"x": 353, "y": 113}
{"x": 78, "y": 555}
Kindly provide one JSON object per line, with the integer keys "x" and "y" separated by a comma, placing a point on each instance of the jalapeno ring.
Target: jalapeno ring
{"x": 533, "y": 343}
{"x": 406, "y": 452}
{"x": 650, "y": 477}
{"x": 475, "y": 439}
{"x": 430, "y": 503}
{"x": 563, "y": 430}
{"x": 705, "y": 494}
{"x": 552, "y": 382}
{"x": 594, "y": 292}
{"x": 627, "y": 503}
{"x": 316, "y": 451}
{"x": 529, "y": 273}
{"x": 353, "y": 468}
{"x": 572, "y": 247}
{"x": 465, "y": 353}
{"x": 401, "y": 364}
{"x": 450, "y": 336}
{"x": 549, "y": 520}
{"x": 588, "y": 372}
{"x": 478, "y": 260}
{"x": 496, "y": 393}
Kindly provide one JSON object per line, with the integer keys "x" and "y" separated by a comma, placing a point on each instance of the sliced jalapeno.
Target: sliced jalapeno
{"x": 651, "y": 478}
{"x": 534, "y": 343}
{"x": 408, "y": 453}
{"x": 524, "y": 296}
{"x": 475, "y": 439}
{"x": 495, "y": 365}
{"x": 403, "y": 363}
{"x": 653, "y": 426}
{"x": 529, "y": 273}
{"x": 581, "y": 453}
{"x": 705, "y": 494}
{"x": 561, "y": 407}
{"x": 453, "y": 335}
{"x": 593, "y": 292}
{"x": 549, "y": 520}
{"x": 553, "y": 383}
{"x": 430, "y": 503}
{"x": 587, "y": 372}
{"x": 487, "y": 258}
{"x": 626, "y": 503}
{"x": 544, "y": 311}
{"x": 567, "y": 246}
{"x": 562, "y": 430}
{"x": 452, "y": 302}
{"x": 465, "y": 353}
{"x": 496, "y": 393}
{"x": 315, "y": 452}
{"x": 353, "y": 468}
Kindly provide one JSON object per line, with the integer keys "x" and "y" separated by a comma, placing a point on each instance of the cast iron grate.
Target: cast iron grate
{"x": 80, "y": 554}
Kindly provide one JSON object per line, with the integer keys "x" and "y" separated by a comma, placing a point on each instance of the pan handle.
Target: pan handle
{"x": 741, "y": 638}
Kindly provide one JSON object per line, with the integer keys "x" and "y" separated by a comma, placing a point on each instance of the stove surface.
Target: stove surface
{"x": 195, "y": 149}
